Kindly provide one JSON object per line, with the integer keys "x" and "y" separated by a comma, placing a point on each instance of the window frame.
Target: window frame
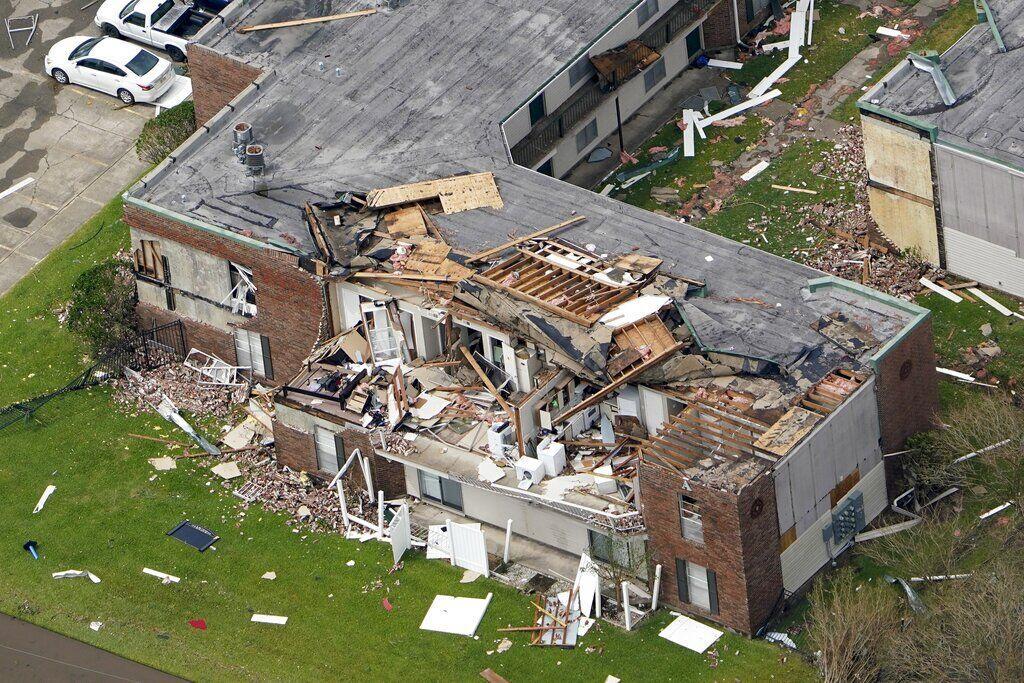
{"x": 254, "y": 343}
{"x": 595, "y": 548}
{"x": 322, "y": 454}
{"x": 646, "y": 11}
{"x": 443, "y": 499}
{"x": 586, "y": 135}
{"x": 582, "y": 70}
{"x": 654, "y": 74}
{"x": 538, "y": 108}
{"x": 242, "y": 297}
{"x": 691, "y": 521}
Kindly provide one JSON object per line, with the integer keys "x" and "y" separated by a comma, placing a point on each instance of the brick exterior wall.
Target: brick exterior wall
{"x": 294, "y": 448}
{"x": 216, "y": 80}
{"x": 289, "y": 299}
{"x": 907, "y": 388}
{"x": 720, "y": 26}
{"x": 907, "y": 393}
{"x": 740, "y": 547}
{"x": 298, "y": 451}
{"x": 197, "y": 335}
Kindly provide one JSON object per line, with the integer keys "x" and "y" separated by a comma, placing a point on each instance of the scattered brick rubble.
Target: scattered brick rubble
{"x": 181, "y": 385}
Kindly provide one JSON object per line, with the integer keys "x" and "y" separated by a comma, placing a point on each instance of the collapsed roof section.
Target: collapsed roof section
{"x": 751, "y": 381}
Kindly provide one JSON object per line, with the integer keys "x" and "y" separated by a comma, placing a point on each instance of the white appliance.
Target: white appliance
{"x": 500, "y": 437}
{"x": 552, "y": 454}
{"x": 529, "y": 469}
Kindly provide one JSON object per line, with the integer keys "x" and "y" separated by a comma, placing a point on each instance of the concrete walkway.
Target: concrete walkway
{"x": 76, "y": 145}
{"x": 29, "y": 653}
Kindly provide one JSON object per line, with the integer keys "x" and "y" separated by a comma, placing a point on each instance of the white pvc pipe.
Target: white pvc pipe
{"x": 344, "y": 505}
{"x": 508, "y": 541}
{"x": 451, "y": 539}
{"x": 657, "y": 588}
{"x": 625, "y": 606}
{"x": 380, "y": 514}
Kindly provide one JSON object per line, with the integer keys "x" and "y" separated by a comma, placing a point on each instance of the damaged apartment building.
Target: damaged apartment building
{"x": 944, "y": 150}
{"x": 350, "y": 225}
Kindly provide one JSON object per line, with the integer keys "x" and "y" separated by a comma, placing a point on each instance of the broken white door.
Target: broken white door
{"x": 469, "y": 548}
{"x": 400, "y": 533}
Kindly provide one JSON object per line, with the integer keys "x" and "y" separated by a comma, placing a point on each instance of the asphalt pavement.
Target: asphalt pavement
{"x": 29, "y": 653}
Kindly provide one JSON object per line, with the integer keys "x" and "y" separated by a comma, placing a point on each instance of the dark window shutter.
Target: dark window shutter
{"x": 171, "y": 304}
{"x": 268, "y": 367}
{"x": 681, "y": 586}
{"x": 339, "y": 450}
{"x": 167, "y": 270}
{"x": 713, "y": 591}
{"x": 750, "y": 9}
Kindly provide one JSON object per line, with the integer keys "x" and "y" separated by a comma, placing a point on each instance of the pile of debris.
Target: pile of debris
{"x": 139, "y": 391}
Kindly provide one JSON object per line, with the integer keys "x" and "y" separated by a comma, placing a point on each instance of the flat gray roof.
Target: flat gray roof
{"x": 421, "y": 95}
{"x": 989, "y": 111}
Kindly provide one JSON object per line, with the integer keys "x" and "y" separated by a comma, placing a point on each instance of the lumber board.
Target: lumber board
{"x": 308, "y": 20}
{"x": 484, "y": 255}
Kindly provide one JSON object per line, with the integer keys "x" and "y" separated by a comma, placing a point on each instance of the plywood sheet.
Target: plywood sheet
{"x": 897, "y": 158}
{"x": 907, "y": 223}
{"x": 788, "y": 431}
{"x": 457, "y": 193}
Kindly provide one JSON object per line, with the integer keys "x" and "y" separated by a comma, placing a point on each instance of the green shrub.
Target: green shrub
{"x": 162, "y": 135}
{"x": 102, "y": 306}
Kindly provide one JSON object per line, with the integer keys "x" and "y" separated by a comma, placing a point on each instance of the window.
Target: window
{"x": 90, "y": 63}
{"x": 654, "y": 75}
{"x": 440, "y": 490}
{"x": 83, "y": 49}
{"x": 109, "y": 68}
{"x": 693, "y": 43}
{"x": 162, "y": 10}
{"x": 601, "y": 547}
{"x": 547, "y": 168}
{"x": 586, "y": 136}
{"x": 148, "y": 260}
{"x": 697, "y": 585}
{"x": 142, "y": 63}
{"x": 382, "y": 337}
{"x": 581, "y": 70}
{"x": 497, "y": 352}
{"x": 645, "y": 11}
{"x": 136, "y": 19}
{"x": 253, "y": 351}
{"x": 537, "y": 108}
{"x": 242, "y": 298}
{"x": 328, "y": 447}
{"x": 690, "y": 521}
{"x": 128, "y": 9}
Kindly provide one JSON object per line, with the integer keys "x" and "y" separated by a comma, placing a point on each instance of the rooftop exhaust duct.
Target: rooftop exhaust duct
{"x": 254, "y": 160}
{"x": 241, "y": 136}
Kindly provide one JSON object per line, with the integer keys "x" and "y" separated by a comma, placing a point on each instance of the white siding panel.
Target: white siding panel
{"x": 809, "y": 552}
{"x": 783, "y": 498}
{"x": 983, "y": 261}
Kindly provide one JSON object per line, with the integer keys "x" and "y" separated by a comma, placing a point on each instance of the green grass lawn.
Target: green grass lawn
{"x": 757, "y": 204}
{"x": 828, "y": 52}
{"x": 110, "y": 515}
{"x": 957, "y": 326}
{"x": 948, "y": 29}
{"x": 728, "y": 144}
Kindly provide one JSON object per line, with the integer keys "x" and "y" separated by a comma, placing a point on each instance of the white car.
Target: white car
{"x": 166, "y": 24}
{"x": 112, "y": 66}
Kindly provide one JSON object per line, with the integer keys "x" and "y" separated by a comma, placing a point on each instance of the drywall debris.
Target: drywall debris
{"x": 163, "y": 464}
{"x": 227, "y": 470}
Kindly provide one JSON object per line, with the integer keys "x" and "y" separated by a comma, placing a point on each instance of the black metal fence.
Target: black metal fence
{"x": 149, "y": 349}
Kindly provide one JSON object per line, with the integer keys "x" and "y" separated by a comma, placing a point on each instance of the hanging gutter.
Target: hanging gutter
{"x": 984, "y": 10}
{"x": 932, "y": 65}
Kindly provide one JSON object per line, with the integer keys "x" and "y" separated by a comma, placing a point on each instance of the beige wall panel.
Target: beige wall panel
{"x": 897, "y": 157}
{"x": 909, "y": 224}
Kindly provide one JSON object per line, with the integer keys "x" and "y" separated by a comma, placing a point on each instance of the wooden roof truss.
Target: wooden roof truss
{"x": 559, "y": 279}
{"x": 701, "y": 431}
{"x": 829, "y": 393}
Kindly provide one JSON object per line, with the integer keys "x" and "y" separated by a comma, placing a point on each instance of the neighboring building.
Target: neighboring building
{"x": 722, "y": 412}
{"x": 945, "y": 152}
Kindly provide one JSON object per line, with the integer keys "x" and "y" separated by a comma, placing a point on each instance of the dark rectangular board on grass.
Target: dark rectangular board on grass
{"x": 196, "y": 536}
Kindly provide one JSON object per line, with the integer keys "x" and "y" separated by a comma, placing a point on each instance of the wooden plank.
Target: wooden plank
{"x": 310, "y": 20}
{"x": 424, "y": 277}
{"x": 484, "y": 255}
{"x": 487, "y": 382}
{"x": 491, "y": 676}
{"x": 597, "y": 397}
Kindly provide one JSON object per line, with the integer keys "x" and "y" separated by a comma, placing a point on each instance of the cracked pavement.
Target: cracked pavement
{"x": 77, "y": 144}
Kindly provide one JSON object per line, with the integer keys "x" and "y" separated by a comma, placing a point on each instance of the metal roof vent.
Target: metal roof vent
{"x": 254, "y": 160}
{"x": 241, "y": 136}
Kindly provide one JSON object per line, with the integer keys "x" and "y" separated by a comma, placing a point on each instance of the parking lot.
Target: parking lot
{"x": 76, "y": 145}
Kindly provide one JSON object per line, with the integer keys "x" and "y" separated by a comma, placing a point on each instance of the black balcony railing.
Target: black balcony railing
{"x": 585, "y": 99}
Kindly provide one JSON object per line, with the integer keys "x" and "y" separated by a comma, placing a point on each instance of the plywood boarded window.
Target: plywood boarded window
{"x": 787, "y": 538}
{"x": 844, "y": 487}
{"x": 148, "y": 260}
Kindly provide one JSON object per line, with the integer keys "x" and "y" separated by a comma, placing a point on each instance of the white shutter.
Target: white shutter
{"x": 242, "y": 348}
{"x": 249, "y": 349}
{"x": 326, "y": 450}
